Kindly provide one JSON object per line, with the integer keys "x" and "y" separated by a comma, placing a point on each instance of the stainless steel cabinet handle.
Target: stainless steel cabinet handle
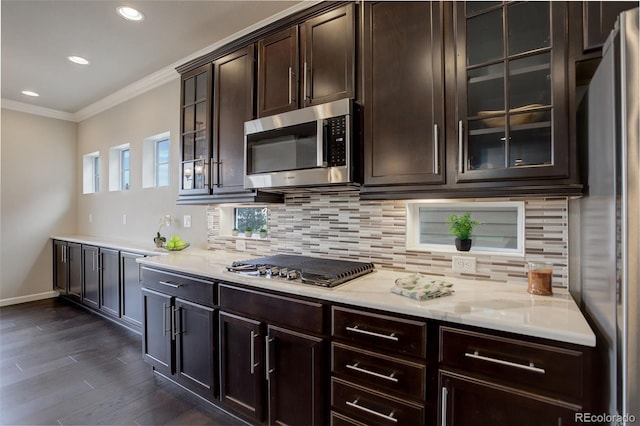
{"x": 290, "y": 75}
{"x": 170, "y": 284}
{"x": 93, "y": 261}
{"x": 436, "y": 150}
{"x": 305, "y": 82}
{"x": 254, "y": 364}
{"x": 460, "y": 143}
{"x": 389, "y": 416}
{"x": 63, "y": 254}
{"x": 164, "y": 319}
{"x": 268, "y": 370}
{"x": 443, "y": 406}
{"x": 372, "y": 373}
{"x": 355, "y": 329}
{"x": 99, "y": 258}
{"x": 174, "y": 330}
{"x": 530, "y": 367}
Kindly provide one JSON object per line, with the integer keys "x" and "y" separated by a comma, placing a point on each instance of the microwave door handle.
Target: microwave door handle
{"x": 322, "y": 133}
{"x": 325, "y": 141}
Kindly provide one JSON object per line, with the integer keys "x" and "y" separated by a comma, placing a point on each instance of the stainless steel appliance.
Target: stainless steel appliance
{"x": 304, "y": 269}
{"x": 309, "y": 147}
{"x": 609, "y": 217}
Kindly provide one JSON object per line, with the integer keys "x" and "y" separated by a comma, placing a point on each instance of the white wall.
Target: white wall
{"x": 149, "y": 114}
{"x": 38, "y": 198}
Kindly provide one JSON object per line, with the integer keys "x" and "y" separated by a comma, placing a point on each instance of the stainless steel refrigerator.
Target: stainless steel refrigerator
{"x": 609, "y": 231}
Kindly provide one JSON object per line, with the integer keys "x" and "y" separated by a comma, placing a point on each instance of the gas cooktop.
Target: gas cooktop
{"x": 305, "y": 269}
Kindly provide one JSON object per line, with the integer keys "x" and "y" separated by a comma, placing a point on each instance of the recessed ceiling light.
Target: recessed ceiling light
{"x": 78, "y": 60}
{"x": 29, "y": 93}
{"x": 130, "y": 13}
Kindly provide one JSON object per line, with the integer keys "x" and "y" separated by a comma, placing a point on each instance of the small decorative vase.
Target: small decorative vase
{"x": 159, "y": 243}
{"x": 234, "y": 232}
{"x": 248, "y": 234}
{"x": 463, "y": 245}
{"x": 263, "y": 234}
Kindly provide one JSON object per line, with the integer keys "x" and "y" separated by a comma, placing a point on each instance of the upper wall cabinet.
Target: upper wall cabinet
{"x": 308, "y": 64}
{"x": 598, "y": 20}
{"x": 512, "y": 111}
{"x": 466, "y": 100}
{"x": 195, "y": 122}
{"x": 403, "y": 92}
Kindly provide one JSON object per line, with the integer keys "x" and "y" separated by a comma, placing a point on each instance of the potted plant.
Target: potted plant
{"x": 248, "y": 231}
{"x": 234, "y": 232}
{"x": 159, "y": 240}
{"x": 263, "y": 232}
{"x": 462, "y": 228}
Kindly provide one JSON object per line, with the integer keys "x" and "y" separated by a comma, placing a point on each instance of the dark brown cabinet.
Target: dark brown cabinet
{"x": 598, "y": 20}
{"x": 91, "y": 276}
{"x": 233, "y": 105}
{"x": 195, "y": 122}
{"x": 67, "y": 269}
{"x": 378, "y": 365}
{"x": 403, "y": 90}
{"x": 502, "y": 69}
{"x": 491, "y": 379}
{"x": 272, "y": 364}
{"x": 179, "y": 336}
{"x": 131, "y": 289}
{"x": 109, "y": 271}
{"x": 315, "y": 67}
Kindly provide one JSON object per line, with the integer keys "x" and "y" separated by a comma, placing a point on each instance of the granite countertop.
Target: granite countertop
{"x": 496, "y": 306}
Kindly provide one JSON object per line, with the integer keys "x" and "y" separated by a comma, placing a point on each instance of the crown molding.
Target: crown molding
{"x": 37, "y": 110}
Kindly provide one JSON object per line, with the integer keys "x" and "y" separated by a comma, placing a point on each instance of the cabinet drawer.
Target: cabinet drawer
{"x": 295, "y": 313}
{"x": 392, "y": 334}
{"x": 373, "y": 408}
{"x": 189, "y": 288}
{"x": 340, "y": 420}
{"x": 554, "y": 370}
{"x": 378, "y": 371}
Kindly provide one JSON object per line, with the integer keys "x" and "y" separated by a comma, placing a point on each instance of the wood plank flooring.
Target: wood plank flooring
{"x": 62, "y": 365}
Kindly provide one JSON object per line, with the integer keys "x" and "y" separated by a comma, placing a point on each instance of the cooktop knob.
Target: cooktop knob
{"x": 292, "y": 275}
{"x": 284, "y": 272}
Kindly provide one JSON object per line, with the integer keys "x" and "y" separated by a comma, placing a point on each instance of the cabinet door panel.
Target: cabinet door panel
{"x": 131, "y": 289}
{"x": 328, "y": 56}
{"x": 75, "y": 270}
{"x": 61, "y": 270}
{"x": 599, "y": 18}
{"x": 296, "y": 378}
{"x": 471, "y": 402}
{"x": 404, "y": 93}
{"x": 110, "y": 281}
{"x": 233, "y": 106}
{"x": 278, "y": 73}
{"x": 90, "y": 276}
{"x": 157, "y": 344}
{"x": 242, "y": 365}
{"x": 195, "y": 346}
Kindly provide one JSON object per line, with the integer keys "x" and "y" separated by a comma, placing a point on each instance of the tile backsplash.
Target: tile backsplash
{"x": 340, "y": 225}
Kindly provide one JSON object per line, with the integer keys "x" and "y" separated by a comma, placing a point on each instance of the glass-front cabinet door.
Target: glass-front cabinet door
{"x": 512, "y": 90}
{"x": 195, "y": 145}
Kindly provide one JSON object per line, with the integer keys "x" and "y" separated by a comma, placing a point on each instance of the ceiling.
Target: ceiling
{"x": 38, "y": 36}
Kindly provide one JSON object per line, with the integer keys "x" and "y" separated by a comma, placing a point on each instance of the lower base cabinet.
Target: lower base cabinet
{"x": 467, "y": 401}
{"x": 179, "y": 335}
{"x": 271, "y": 373}
{"x": 131, "y": 289}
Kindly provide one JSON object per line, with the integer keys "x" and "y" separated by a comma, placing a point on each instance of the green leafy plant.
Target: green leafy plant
{"x": 248, "y": 229}
{"x": 263, "y": 230}
{"x": 462, "y": 226}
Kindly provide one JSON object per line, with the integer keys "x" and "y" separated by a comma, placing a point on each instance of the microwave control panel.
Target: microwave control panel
{"x": 336, "y": 144}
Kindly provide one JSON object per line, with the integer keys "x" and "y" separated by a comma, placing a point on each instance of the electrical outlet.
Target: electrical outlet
{"x": 90, "y": 217}
{"x": 124, "y": 218}
{"x": 464, "y": 264}
{"x": 241, "y": 245}
{"x": 187, "y": 221}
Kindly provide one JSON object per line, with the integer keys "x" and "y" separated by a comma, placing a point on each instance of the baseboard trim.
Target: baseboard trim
{"x": 29, "y": 298}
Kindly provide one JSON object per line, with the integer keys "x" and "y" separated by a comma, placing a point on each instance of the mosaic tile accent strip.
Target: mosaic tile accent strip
{"x": 341, "y": 226}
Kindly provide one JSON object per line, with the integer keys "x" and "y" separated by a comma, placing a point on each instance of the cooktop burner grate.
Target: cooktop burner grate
{"x": 310, "y": 270}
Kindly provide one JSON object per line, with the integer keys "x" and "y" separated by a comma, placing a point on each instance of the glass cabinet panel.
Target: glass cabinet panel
{"x": 509, "y": 97}
{"x": 485, "y": 38}
{"x": 478, "y": 6}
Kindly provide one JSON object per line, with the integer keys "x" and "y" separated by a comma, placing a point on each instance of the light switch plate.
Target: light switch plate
{"x": 187, "y": 221}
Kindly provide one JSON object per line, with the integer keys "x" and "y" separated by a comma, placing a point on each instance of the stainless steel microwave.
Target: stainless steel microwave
{"x": 309, "y": 147}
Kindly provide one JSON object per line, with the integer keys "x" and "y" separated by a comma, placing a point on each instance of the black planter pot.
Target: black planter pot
{"x": 463, "y": 245}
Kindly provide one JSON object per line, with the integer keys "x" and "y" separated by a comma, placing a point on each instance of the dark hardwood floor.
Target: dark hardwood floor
{"x": 60, "y": 364}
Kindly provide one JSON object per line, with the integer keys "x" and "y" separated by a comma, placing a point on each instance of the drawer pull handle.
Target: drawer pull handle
{"x": 372, "y": 373}
{"x": 530, "y": 367}
{"x": 391, "y": 336}
{"x": 170, "y": 284}
{"x": 389, "y": 416}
